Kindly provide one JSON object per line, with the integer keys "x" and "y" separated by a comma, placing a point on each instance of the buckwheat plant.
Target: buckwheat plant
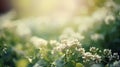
{"x": 88, "y": 44}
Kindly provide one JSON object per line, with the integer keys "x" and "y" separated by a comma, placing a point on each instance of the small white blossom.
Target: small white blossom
{"x": 70, "y": 42}
{"x": 97, "y": 58}
{"x": 93, "y": 49}
{"x": 107, "y": 52}
{"x": 81, "y": 50}
{"x": 23, "y": 30}
{"x": 38, "y": 42}
{"x": 109, "y": 19}
{"x": 87, "y": 56}
{"x": 70, "y": 34}
{"x": 7, "y": 24}
{"x": 60, "y": 47}
{"x": 54, "y": 42}
{"x": 116, "y": 64}
{"x": 96, "y": 37}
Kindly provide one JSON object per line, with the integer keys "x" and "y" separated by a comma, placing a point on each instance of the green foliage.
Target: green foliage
{"x": 117, "y": 1}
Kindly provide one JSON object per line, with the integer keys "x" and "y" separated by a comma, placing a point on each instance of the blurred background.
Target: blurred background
{"x": 28, "y": 27}
{"x": 4, "y": 6}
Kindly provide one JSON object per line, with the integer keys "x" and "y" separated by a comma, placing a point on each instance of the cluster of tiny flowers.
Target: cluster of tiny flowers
{"x": 94, "y": 49}
{"x": 114, "y": 57}
{"x": 97, "y": 37}
{"x": 71, "y": 34}
{"x": 81, "y": 50}
{"x": 38, "y": 42}
{"x": 116, "y": 64}
{"x": 94, "y": 55}
{"x": 107, "y": 52}
{"x": 91, "y": 57}
{"x": 70, "y": 42}
{"x": 87, "y": 56}
{"x": 64, "y": 44}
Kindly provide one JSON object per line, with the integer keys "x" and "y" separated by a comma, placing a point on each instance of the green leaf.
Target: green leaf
{"x": 79, "y": 65}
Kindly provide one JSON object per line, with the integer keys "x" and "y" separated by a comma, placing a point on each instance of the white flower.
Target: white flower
{"x": 54, "y": 42}
{"x": 107, "y": 52}
{"x": 78, "y": 36}
{"x": 59, "y": 48}
{"x": 81, "y": 50}
{"x": 38, "y": 42}
{"x": 23, "y": 30}
{"x": 29, "y": 59}
{"x": 116, "y": 64}
{"x": 97, "y": 58}
{"x": 87, "y": 56}
{"x": 70, "y": 42}
{"x": 7, "y": 24}
{"x": 93, "y": 49}
{"x": 99, "y": 14}
{"x": 96, "y": 37}
{"x": 70, "y": 34}
{"x": 109, "y": 18}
